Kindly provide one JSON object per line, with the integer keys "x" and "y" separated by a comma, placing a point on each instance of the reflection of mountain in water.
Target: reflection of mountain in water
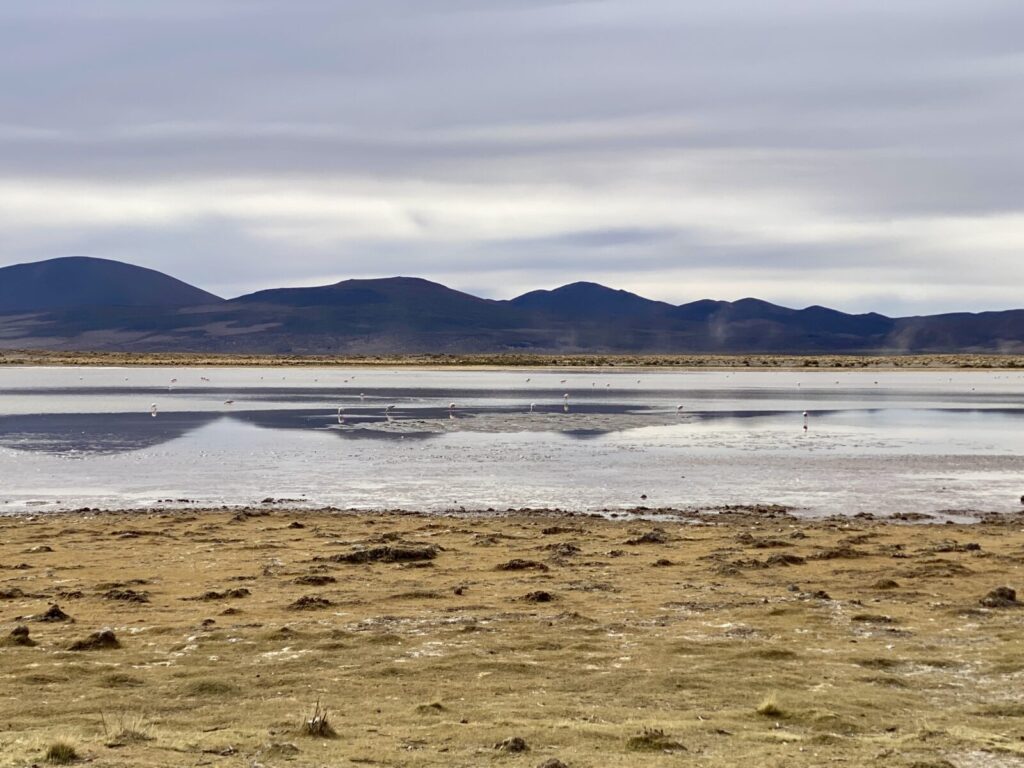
{"x": 96, "y": 433}
{"x": 107, "y": 433}
{"x": 71, "y": 434}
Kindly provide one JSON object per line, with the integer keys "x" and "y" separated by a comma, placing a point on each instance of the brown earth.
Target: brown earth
{"x": 746, "y": 637}
{"x": 37, "y": 357}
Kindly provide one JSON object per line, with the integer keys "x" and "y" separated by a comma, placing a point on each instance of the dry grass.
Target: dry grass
{"x": 61, "y": 753}
{"x": 509, "y": 360}
{"x": 317, "y": 725}
{"x": 434, "y": 662}
{"x": 770, "y": 707}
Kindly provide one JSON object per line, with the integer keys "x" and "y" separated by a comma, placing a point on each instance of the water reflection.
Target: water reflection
{"x": 112, "y": 433}
{"x": 915, "y": 441}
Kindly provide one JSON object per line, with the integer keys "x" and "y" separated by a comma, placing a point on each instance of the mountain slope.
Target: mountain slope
{"x": 80, "y": 281}
{"x": 590, "y": 300}
{"x": 409, "y": 304}
{"x": 98, "y": 304}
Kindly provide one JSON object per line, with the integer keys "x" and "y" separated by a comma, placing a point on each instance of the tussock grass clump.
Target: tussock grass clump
{"x": 127, "y": 595}
{"x": 97, "y": 641}
{"x": 121, "y": 680}
{"x": 879, "y": 662}
{"x": 388, "y": 553}
{"x": 315, "y": 580}
{"x": 317, "y": 724}
{"x": 770, "y": 707}
{"x": 210, "y": 688}
{"x": 1008, "y": 709}
{"x": 310, "y": 603}
{"x": 53, "y": 613}
{"x": 433, "y": 708}
{"x": 1001, "y": 597}
{"x": 513, "y": 744}
{"x": 519, "y": 564}
{"x": 653, "y": 740}
{"x": 19, "y": 637}
{"x": 61, "y": 753}
{"x": 125, "y": 729}
{"x": 773, "y": 654}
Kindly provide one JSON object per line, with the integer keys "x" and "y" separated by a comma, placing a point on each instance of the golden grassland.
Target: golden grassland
{"x": 746, "y": 637}
{"x": 181, "y": 359}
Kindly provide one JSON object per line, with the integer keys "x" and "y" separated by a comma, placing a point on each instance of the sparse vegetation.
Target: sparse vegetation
{"x": 621, "y": 639}
{"x": 317, "y": 724}
{"x": 770, "y": 707}
{"x": 125, "y": 729}
{"x": 653, "y": 740}
{"x": 210, "y": 688}
{"x": 61, "y": 753}
{"x": 508, "y": 360}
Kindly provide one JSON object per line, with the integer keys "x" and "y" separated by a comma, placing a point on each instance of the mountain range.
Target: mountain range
{"x": 97, "y": 304}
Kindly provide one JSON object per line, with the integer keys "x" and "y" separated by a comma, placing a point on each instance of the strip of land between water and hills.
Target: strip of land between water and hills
{"x": 30, "y": 357}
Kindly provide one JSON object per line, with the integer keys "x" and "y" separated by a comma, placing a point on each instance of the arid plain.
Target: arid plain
{"x": 733, "y": 636}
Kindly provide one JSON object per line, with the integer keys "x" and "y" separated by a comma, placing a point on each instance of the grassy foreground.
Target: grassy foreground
{"x": 176, "y": 359}
{"x": 746, "y": 637}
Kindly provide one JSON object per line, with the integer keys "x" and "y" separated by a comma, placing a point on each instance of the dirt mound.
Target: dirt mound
{"x": 53, "y": 613}
{"x": 126, "y": 595}
{"x": 102, "y": 640}
{"x": 388, "y": 553}
{"x": 518, "y": 564}
{"x": 1001, "y": 597}
{"x": 310, "y": 603}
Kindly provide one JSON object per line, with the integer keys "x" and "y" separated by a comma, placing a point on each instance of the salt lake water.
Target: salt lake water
{"x": 876, "y": 441}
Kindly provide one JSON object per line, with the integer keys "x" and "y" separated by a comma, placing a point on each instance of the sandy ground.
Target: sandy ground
{"x": 938, "y": 361}
{"x": 742, "y": 637}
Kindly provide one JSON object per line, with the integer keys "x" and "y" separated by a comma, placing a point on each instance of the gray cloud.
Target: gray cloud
{"x": 866, "y": 154}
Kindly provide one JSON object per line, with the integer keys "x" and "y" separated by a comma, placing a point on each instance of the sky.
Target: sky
{"x": 864, "y": 155}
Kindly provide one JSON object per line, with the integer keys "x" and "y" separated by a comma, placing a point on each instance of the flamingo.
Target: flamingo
{"x": 565, "y": 402}
{"x": 451, "y": 410}
{"x": 152, "y": 410}
{"x": 341, "y": 415}
{"x": 387, "y": 412}
{"x": 532, "y": 406}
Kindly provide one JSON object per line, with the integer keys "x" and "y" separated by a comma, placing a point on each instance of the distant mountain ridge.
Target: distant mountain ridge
{"x": 83, "y": 303}
{"x": 77, "y": 281}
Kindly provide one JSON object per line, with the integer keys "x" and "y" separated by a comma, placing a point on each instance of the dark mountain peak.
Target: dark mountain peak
{"x": 354, "y": 291}
{"x": 88, "y": 303}
{"x": 817, "y": 309}
{"x": 583, "y": 299}
{"x": 698, "y": 311}
{"x": 84, "y": 281}
{"x": 750, "y": 304}
{"x": 398, "y": 281}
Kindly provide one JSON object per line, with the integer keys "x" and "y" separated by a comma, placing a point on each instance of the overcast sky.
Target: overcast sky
{"x": 866, "y": 155}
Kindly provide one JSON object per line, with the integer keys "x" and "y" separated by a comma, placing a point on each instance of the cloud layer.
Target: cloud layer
{"x": 865, "y": 155}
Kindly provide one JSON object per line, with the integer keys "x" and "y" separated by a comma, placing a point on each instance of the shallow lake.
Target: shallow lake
{"x": 875, "y": 441}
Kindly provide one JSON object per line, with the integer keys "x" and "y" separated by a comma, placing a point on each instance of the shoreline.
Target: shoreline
{"x": 440, "y": 641}
{"x": 714, "y": 515}
{"x": 25, "y": 358}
